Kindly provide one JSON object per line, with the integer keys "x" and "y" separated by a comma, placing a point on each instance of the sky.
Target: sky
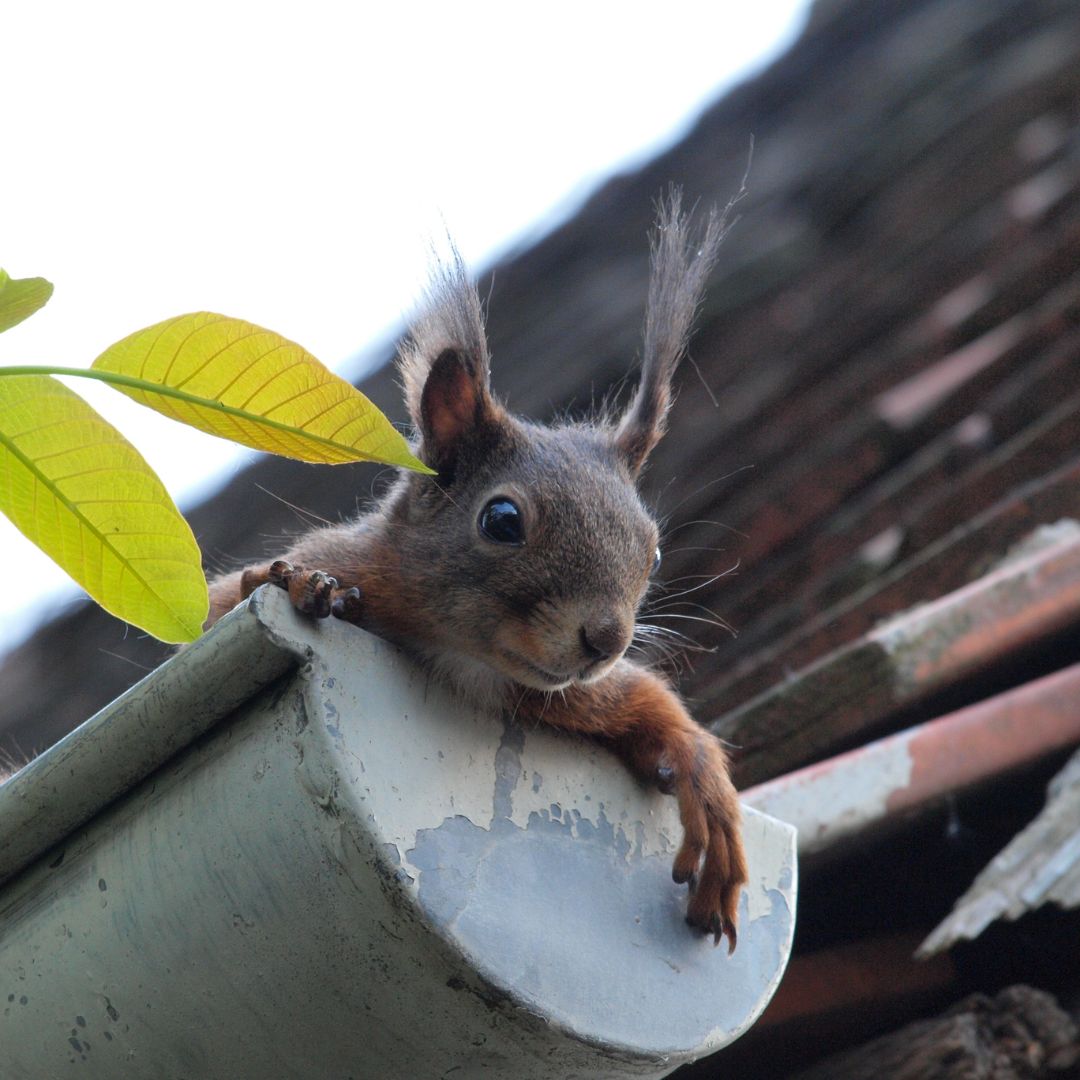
{"x": 290, "y": 164}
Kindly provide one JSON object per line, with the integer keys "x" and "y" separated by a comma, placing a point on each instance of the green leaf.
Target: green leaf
{"x": 237, "y": 380}
{"x": 80, "y": 491}
{"x": 20, "y": 298}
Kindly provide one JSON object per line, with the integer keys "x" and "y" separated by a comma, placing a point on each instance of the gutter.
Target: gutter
{"x": 285, "y": 853}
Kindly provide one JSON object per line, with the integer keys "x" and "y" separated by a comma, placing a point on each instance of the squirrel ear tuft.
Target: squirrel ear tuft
{"x": 682, "y": 258}
{"x": 444, "y": 362}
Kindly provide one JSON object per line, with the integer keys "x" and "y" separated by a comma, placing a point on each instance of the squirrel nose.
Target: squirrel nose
{"x": 601, "y": 641}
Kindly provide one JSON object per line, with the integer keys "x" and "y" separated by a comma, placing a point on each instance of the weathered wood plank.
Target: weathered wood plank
{"x": 1040, "y": 866}
{"x": 1021, "y": 1034}
{"x": 850, "y": 694}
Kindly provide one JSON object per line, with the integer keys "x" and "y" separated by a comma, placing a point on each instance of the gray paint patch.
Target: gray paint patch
{"x": 507, "y": 770}
{"x": 393, "y": 869}
{"x": 333, "y": 724}
{"x": 513, "y": 898}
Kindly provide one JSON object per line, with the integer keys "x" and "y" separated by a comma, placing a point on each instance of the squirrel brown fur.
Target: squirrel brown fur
{"x": 516, "y": 573}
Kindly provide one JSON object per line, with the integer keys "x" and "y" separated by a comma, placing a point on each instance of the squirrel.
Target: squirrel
{"x": 514, "y": 575}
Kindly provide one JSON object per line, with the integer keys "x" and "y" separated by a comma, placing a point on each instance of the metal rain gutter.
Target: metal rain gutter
{"x": 285, "y": 853}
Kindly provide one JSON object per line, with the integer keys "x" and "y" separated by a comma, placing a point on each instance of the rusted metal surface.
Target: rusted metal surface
{"x": 1040, "y": 866}
{"x": 854, "y": 795}
{"x": 852, "y": 693}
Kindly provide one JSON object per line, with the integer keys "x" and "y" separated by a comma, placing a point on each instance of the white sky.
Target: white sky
{"x": 287, "y": 163}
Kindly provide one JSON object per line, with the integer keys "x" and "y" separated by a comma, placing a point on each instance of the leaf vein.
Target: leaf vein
{"x": 254, "y": 332}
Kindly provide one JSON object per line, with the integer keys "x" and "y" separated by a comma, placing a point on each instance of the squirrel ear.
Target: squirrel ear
{"x": 453, "y": 403}
{"x": 444, "y": 364}
{"x": 681, "y": 261}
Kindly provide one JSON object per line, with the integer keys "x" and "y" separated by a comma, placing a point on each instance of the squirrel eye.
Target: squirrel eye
{"x": 655, "y": 561}
{"x": 501, "y": 521}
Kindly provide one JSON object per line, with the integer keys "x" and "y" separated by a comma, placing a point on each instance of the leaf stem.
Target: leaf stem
{"x": 148, "y": 387}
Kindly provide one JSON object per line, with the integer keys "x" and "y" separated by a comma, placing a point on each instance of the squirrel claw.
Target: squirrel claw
{"x": 309, "y": 590}
{"x": 715, "y": 913}
{"x": 665, "y": 779}
{"x": 279, "y": 573}
{"x": 716, "y": 927}
{"x": 311, "y": 593}
{"x": 347, "y": 605}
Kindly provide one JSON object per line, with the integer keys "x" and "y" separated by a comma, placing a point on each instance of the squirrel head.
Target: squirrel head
{"x": 531, "y": 548}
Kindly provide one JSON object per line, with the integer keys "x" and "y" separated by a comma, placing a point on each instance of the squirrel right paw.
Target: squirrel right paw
{"x": 310, "y": 591}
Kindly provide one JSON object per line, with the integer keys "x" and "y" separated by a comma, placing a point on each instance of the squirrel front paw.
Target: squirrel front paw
{"x": 711, "y": 860}
{"x": 348, "y": 605}
{"x": 311, "y": 591}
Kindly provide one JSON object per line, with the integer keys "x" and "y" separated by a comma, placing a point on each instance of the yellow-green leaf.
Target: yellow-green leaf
{"x": 20, "y": 298}
{"x": 80, "y": 491}
{"x": 234, "y": 379}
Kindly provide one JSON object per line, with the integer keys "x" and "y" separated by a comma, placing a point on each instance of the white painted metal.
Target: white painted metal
{"x": 345, "y": 874}
{"x": 842, "y": 798}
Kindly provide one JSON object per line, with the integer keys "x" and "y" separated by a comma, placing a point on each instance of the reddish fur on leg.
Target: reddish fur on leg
{"x": 252, "y": 578}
